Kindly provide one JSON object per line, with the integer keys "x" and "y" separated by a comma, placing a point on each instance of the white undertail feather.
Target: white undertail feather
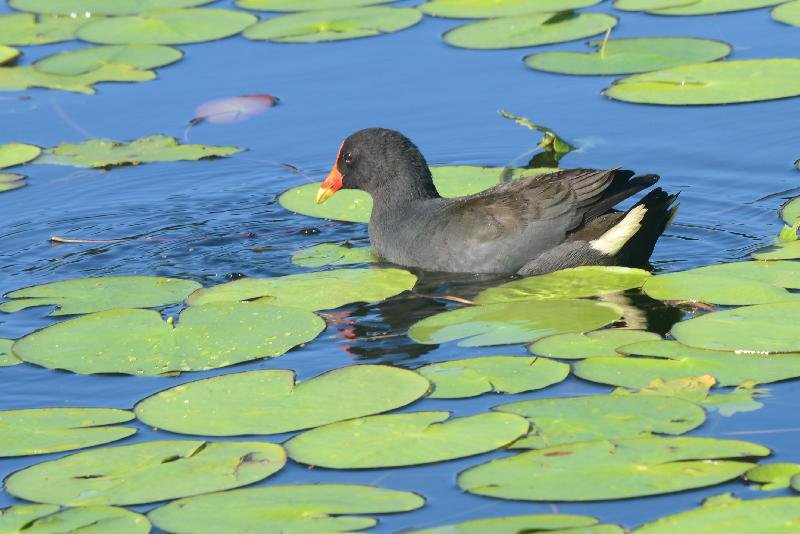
{"x": 614, "y": 239}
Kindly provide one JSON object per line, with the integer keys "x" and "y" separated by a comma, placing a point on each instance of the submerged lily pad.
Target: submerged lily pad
{"x": 50, "y": 519}
{"x": 333, "y": 24}
{"x": 572, "y": 419}
{"x": 539, "y": 524}
{"x": 98, "y": 7}
{"x": 304, "y": 5}
{"x": 788, "y": 13}
{"x": 10, "y": 181}
{"x": 46, "y": 430}
{"x": 140, "y": 342}
{"x": 324, "y": 290}
{"x": 333, "y": 254}
{"x": 8, "y": 54}
{"x": 568, "y": 283}
{"x": 404, "y": 439}
{"x": 7, "y": 358}
{"x": 728, "y": 514}
{"x": 722, "y": 82}
{"x": 271, "y": 402}
{"x": 611, "y": 469}
{"x": 104, "y": 153}
{"x": 528, "y": 30}
{"x": 23, "y": 29}
{"x": 146, "y": 472}
{"x": 12, "y": 154}
{"x": 480, "y": 9}
{"x": 773, "y": 476}
{"x": 167, "y": 26}
{"x": 627, "y": 56}
{"x": 87, "y": 295}
{"x": 470, "y": 377}
{"x": 512, "y": 322}
{"x": 84, "y": 60}
{"x": 286, "y": 509}
{"x": 20, "y": 78}
{"x": 708, "y": 7}
{"x": 592, "y": 345}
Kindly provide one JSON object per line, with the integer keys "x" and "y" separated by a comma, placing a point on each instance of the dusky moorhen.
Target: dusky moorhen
{"x": 529, "y": 225}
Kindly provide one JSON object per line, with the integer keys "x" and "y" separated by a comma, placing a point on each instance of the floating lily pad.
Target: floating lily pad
{"x": 8, "y": 54}
{"x": 286, "y": 509}
{"x": 20, "y": 78}
{"x": 146, "y": 472}
{"x": 512, "y": 322}
{"x": 85, "y": 60}
{"x": 46, "y": 430}
{"x": 627, "y": 56}
{"x": 24, "y": 29}
{"x": 481, "y": 9}
{"x": 87, "y": 295}
{"x": 98, "y": 7}
{"x": 568, "y": 283}
{"x": 592, "y": 345}
{"x": 728, "y": 514}
{"x": 140, "y": 342}
{"x": 7, "y": 358}
{"x": 572, "y": 419}
{"x": 333, "y": 254}
{"x": 790, "y": 212}
{"x": 270, "y": 402}
{"x": 776, "y": 273}
{"x": 708, "y": 7}
{"x": 10, "y": 181}
{"x": 789, "y": 250}
{"x": 104, "y": 153}
{"x": 529, "y": 30}
{"x": 12, "y": 154}
{"x": 304, "y": 5}
{"x": 670, "y": 359}
{"x": 333, "y": 24}
{"x": 49, "y": 519}
{"x": 404, "y": 439}
{"x": 457, "y": 379}
{"x": 761, "y": 329}
{"x": 770, "y": 477}
{"x": 723, "y": 82}
{"x": 520, "y": 523}
{"x": 611, "y": 469}
{"x": 788, "y": 13}
{"x": 324, "y": 290}
{"x": 648, "y": 5}
{"x": 167, "y": 26}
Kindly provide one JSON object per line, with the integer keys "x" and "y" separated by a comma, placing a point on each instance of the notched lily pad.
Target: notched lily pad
{"x": 20, "y": 78}
{"x": 23, "y": 29}
{"x": 47, "y": 430}
{"x": 85, "y": 60}
{"x": 333, "y": 254}
{"x": 7, "y": 357}
{"x": 709, "y": 7}
{"x": 482, "y": 9}
{"x": 770, "y": 477}
{"x": 146, "y": 472}
{"x": 87, "y": 295}
{"x": 49, "y": 519}
{"x": 271, "y": 402}
{"x": 788, "y": 13}
{"x": 98, "y": 7}
{"x": 304, "y": 5}
{"x": 592, "y": 345}
{"x": 12, "y": 154}
{"x": 540, "y": 524}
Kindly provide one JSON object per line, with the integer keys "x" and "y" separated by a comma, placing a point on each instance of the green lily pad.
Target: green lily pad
{"x": 8, "y": 54}
{"x": 351, "y": 205}
{"x": 760, "y": 329}
{"x": 98, "y": 7}
{"x": 271, "y": 402}
{"x": 649, "y": 5}
{"x": 789, "y": 250}
{"x": 470, "y": 377}
{"x": 324, "y": 290}
{"x": 333, "y": 254}
{"x": 776, "y": 273}
{"x": 23, "y": 29}
{"x": 20, "y": 78}
{"x": 46, "y": 430}
{"x": 404, "y": 439}
{"x": 87, "y": 295}
{"x": 572, "y": 419}
{"x": 551, "y": 142}
{"x": 7, "y": 358}
{"x": 576, "y": 282}
{"x": 105, "y": 153}
{"x": 788, "y": 13}
{"x": 709, "y": 7}
{"x": 333, "y": 24}
{"x": 790, "y": 212}
{"x": 669, "y": 359}
{"x": 512, "y": 322}
{"x": 10, "y": 181}
{"x": 592, "y": 345}
{"x": 627, "y": 56}
{"x": 611, "y": 469}
{"x": 770, "y": 477}
{"x": 146, "y": 472}
{"x": 167, "y": 26}
{"x": 540, "y": 524}
{"x": 286, "y": 509}
{"x": 528, "y": 30}
{"x": 304, "y": 5}
{"x": 140, "y": 342}
{"x": 12, "y": 154}
{"x": 84, "y": 60}
{"x": 735, "y": 516}
{"x": 483, "y": 9}
{"x": 49, "y": 519}
{"x": 722, "y": 82}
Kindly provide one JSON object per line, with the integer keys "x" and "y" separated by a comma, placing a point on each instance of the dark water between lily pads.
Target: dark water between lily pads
{"x": 214, "y": 221}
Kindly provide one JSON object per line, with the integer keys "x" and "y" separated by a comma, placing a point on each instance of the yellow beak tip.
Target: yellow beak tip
{"x": 324, "y": 194}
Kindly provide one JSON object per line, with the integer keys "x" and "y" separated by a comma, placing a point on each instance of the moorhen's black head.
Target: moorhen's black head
{"x": 384, "y": 163}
